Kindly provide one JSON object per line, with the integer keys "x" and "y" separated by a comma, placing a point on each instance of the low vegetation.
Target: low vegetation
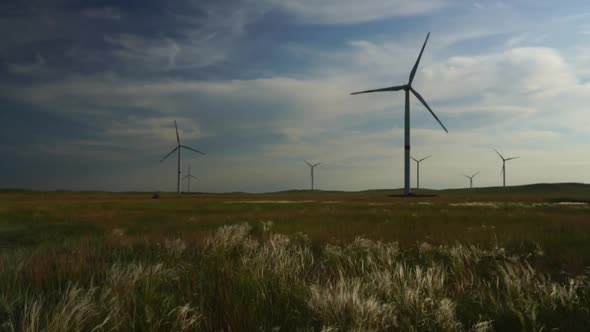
{"x": 221, "y": 264}
{"x": 236, "y": 280}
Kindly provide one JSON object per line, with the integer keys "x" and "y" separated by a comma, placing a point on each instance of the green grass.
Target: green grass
{"x": 333, "y": 261}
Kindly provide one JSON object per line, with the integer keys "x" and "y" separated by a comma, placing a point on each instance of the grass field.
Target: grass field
{"x": 483, "y": 259}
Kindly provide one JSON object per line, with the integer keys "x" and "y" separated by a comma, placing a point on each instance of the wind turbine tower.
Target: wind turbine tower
{"x": 418, "y": 161}
{"x": 312, "y": 167}
{"x": 470, "y": 179}
{"x": 503, "y": 171}
{"x": 178, "y": 148}
{"x": 407, "y": 89}
{"x": 189, "y": 176}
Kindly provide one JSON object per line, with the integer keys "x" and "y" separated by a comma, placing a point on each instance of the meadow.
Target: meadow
{"x": 489, "y": 259}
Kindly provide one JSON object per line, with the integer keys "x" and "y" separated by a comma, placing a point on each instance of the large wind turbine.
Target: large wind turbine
{"x": 189, "y": 176}
{"x": 178, "y": 148}
{"x": 503, "y": 171}
{"x": 408, "y": 88}
{"x": 470, "y": 179}
{"x": 312, "y": 167}
{"x": 418, "y": 161}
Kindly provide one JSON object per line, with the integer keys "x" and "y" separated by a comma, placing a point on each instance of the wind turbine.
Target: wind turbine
{"x": 312, "y": 167}
{"x": 189, "y": 176}
{"x": 418, "y": 170}
{"x": 178, "y": 148}
{"x": 470, "y": 179}
{"x": 408, "y": 88}
{"x": 503, "y": 171}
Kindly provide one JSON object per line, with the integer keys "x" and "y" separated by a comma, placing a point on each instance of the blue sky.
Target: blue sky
{"x": 89, "y": 91}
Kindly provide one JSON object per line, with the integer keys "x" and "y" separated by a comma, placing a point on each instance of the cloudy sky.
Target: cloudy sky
{"x": 89, "y": 91}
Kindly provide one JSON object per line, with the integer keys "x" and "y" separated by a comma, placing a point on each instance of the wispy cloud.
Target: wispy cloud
{"x": 349, "y": 11}
{"x": 261, "y": 85}
{"x": 28, "y": 68}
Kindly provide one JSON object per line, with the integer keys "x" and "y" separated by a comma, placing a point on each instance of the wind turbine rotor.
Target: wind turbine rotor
{"x": 425, "y": 158}
{"x": 413, "y": 73}
{"x": 499, "y": 154}
{"x": 427, "y": 107}
{"x": 189, "y": 148}
{"x": 391, "y": 88}
{"x": 171, "y": 152}
{"x": 177, "y": 136}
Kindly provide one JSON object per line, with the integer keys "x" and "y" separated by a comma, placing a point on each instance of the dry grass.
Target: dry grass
{"x": 239, "y": 280}
{"x": 344, "y": 262}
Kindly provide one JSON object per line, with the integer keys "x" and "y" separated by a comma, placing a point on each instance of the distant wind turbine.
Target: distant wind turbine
{"x": 178, "y": 148}
{"x": 503, "y": 171}
{"x": 418, "y": 161}
{"x": 189, "y": 176}
{"x": 312, "y": 167}
{"x": 470, "y": 179}
{"x": 408, "y": 88}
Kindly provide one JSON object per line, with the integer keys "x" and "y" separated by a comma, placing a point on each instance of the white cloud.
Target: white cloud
{"x": 350, "y": 11}
{"x": 160, "y": 54}
{"x": 525, "y": 100}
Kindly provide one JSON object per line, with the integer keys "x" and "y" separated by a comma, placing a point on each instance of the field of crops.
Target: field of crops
{"x": 464, "y": 260}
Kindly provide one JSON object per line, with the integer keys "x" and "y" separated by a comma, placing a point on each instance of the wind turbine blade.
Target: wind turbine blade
{"x": 428, "y": 108}
{"x": 184, "y": 177}
{"x": 189, "y": 148}
{"x": 416, "y": 160}
{"x": 474, "y": 174}
{"x": 512, "y": 158}
{"x": 316, "y": 164}
{"x": 177, "y": 137}
{"x": 171, "y": 152}
{"x": 391, "y": 88}
{"x": 194, "y": 177}
{"x": 413, "y": 73}
{"x": 499, "y": 154}
{"x": 467, "y": 176}
{"x": 425, "y": 158}
{"x": 308, "y": 164}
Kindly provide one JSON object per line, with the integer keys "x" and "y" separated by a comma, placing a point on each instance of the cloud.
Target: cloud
{"x": 28, "y": 68}
{"x": 161, "y": 129}
{"x": 491, "y": 5}
{"x": 257, "y": 127}
{"x": 349, "y": 11}
{"x": 103, "y": 13}
{"x": 161, "y": 54}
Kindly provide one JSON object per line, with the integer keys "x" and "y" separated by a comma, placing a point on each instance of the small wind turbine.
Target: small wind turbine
{"x": 189, "y": 176}
{"x": 312, "y": 167}
{"x": 470, "y": 179}
{"x": 503, "y": 171}
{"x": 178, "y": 148}
{"x": 407, "y": 88}
{"x": 418, "y": 170}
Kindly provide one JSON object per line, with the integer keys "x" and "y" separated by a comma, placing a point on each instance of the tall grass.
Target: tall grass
{"x": 243, "y": 278}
